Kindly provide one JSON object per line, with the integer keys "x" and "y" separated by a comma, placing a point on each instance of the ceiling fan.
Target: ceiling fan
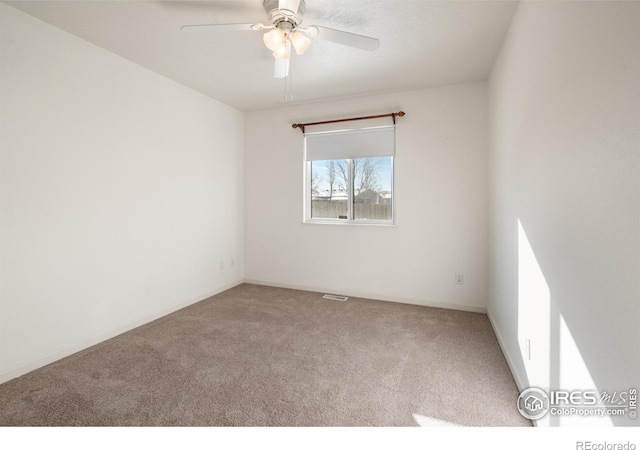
{"x": 285, "y": 31}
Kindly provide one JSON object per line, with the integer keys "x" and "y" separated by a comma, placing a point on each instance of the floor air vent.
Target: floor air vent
{"x": 340, "y": 298}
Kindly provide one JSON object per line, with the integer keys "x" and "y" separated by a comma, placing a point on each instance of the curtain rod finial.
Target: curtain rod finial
{"x": 401, "y": 114}
{"x": 298, "y": 125}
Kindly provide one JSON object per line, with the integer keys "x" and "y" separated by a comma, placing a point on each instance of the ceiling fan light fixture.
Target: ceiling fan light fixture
{"x": 300, "y": 42}
{"x": 284, "y": 51}
{"x": 274, "y": 39}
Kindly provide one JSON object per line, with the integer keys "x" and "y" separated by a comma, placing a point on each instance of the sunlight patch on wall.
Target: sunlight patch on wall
{"x": 534, "y": 299}
{"x": 575, "y": 376}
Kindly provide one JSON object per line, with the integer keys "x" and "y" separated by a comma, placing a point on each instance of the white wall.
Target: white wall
{"x": 565, "y": 164}
{"x": 441, "y": 198}
{"x": 120, "y": 192}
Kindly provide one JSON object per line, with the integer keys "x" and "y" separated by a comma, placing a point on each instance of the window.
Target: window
{"x": 349, "y": 176}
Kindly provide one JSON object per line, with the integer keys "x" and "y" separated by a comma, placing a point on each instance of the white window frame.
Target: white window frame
{"x": 350, "y": 220}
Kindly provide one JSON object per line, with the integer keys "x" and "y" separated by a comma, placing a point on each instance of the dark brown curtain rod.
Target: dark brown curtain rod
{"x": 302, "y": 126}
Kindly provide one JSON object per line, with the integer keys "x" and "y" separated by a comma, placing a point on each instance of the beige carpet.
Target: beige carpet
{"x": 257, "y": 355}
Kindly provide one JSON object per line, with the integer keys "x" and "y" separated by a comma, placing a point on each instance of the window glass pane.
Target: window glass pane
{"x": 372, "y": 186}
{"x": 330, "y": 189}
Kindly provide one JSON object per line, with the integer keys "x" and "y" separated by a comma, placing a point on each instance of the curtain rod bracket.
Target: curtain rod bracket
{"x": 302, "y": 126}
{"x": 398, "y": 114}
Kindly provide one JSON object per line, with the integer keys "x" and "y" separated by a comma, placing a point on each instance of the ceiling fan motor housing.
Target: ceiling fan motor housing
{"x": 290, "y": 11}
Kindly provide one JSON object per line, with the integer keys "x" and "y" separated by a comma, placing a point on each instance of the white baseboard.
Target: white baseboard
{"x": 370, "y": 295}
{"x": 520, "y": 383}
{"x": 68, "y": 351}
{"x": 516, "y": 375}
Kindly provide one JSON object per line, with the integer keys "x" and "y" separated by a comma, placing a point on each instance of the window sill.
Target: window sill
{"x": 349, "y": 223}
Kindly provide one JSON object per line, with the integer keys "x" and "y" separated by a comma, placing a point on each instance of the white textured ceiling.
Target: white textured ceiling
{"x": 422, "y": 44}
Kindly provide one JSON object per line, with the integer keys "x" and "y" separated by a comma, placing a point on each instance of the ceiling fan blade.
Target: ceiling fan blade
{"x": 215, "y": 27}
{"x": 282, "y": 68}
{"x": 342, "y": 37}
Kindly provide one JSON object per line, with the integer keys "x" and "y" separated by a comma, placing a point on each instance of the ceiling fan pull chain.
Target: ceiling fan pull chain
{"x": 288, "y": 94}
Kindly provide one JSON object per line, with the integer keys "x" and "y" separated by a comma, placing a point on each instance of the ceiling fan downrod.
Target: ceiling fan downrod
{"x": 290, "y": 11}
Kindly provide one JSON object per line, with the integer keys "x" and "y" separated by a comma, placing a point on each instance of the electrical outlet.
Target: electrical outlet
{"x": 221, "y": 265}
{"x": 232, "y": 263}
{"x": 459, "y": 278}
